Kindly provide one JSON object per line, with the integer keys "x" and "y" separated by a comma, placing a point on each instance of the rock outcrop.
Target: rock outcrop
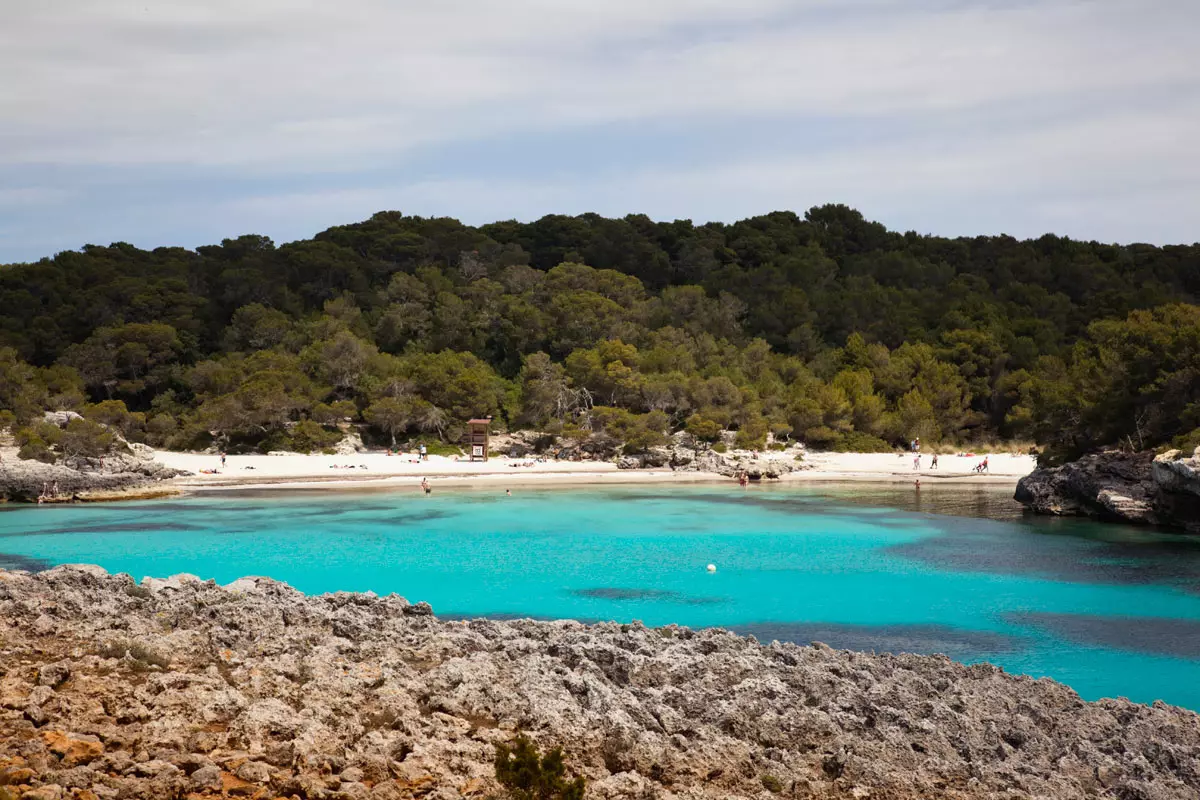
{"x": 1137, "y": 488}
{"x": 684, "y": 454}
{"x": 24, "y": 480}
{"x": 178, "y": 687}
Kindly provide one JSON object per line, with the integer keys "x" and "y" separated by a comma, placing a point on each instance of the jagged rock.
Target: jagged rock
{"x": 255, "y": 772}
{"x": 73, "y": 748}
{"x": 60, "y": 418}
{"x": 24, "y": 480}
{"x": 55, "y": 674}
{"x": 1136, "y": 488}
{"x": 264, "y": 693}
{"x": 207, "y": 777}
{"x": 350, "y": 444}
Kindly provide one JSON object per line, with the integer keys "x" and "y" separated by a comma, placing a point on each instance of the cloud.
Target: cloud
{"x": 868, "y": 101}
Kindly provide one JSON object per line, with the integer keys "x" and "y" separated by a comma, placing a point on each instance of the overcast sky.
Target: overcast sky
{"x": 188, "y": 121}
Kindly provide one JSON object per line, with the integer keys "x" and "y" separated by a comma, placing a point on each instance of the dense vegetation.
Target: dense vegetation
{"x": 828, "y": 329}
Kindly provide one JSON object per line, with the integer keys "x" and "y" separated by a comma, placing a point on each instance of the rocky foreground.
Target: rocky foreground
{"x": 181, "y": 688}
{"x": 1136, "y": 488}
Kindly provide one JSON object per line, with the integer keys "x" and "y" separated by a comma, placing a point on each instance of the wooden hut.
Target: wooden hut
{"x": 478, "y": 431}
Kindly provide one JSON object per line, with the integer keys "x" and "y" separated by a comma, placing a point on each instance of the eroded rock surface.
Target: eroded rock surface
{"x": 1137, "y": 488}
{"x": 181, "y": 688}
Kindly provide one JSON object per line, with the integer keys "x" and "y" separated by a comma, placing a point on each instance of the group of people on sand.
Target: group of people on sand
{"x": 422, "y": 453}
{"x": 915, "y": 447}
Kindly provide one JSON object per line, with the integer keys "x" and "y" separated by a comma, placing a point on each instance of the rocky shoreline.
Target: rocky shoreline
{"x": 1135, "y": 488}
{"x": 181, "y": 688}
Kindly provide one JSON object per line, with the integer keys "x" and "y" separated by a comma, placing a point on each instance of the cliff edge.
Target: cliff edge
{"x": 1137, "y": 488}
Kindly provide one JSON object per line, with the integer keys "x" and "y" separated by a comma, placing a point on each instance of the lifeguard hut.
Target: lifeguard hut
{"x": 478, "y": 431}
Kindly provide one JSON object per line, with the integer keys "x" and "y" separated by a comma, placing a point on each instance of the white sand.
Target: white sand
{"x": 381, "y": 470}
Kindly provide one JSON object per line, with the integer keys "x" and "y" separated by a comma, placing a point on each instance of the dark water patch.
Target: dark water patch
{"x": 114, "y": 527}
{"x": 652, "y": 595}
{"x": 337, "y": 511}
{"x": 405, "y": 518}
{"x": 957, "y": 643}
{"x": 27, "y": 563}
{"x": 512, "y": 616}
{"x": 1163, "y": 636}
{"x": 1072, "y": 554}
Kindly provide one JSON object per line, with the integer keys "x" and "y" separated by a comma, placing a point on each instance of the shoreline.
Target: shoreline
{"x": 378, "y": 471}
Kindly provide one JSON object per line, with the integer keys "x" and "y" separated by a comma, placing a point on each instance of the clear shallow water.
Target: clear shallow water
{"x": 1109, "y": 610}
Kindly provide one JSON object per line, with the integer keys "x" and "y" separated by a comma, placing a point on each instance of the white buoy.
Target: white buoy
{"x": 712, "y": 567}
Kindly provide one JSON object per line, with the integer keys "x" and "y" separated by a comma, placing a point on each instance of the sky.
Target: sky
{"x": 183, "y": 122}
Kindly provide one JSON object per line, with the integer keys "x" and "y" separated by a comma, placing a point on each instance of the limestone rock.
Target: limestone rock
{"x": 273, "y": 693}
{"x": 1136, "y": 488}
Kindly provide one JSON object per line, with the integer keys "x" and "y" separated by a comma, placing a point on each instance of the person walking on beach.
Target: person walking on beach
{"x": 984, "y": 466}
{"x": 933, "y": 464}
{"x": 917, "y": 461}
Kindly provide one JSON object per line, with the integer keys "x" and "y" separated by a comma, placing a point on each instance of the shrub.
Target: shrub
{"x": 307, "y": 436}
{"x": 752, "y": 434}
{"x": 859, "y": 442}
{"x": 772, "y": 784}
{"x": 526, "y": 775}
{"x": 34, "y": 447}
{"x": 703, "y": 428}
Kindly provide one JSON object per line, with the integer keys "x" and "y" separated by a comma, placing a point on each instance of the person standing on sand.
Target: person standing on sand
{"x": 424, "y": 452}
{"x": 917, "y": 461}
{"x": 222, "y": 458}
{"x": 425, "y": 485}
{"x": 933, "y": 464}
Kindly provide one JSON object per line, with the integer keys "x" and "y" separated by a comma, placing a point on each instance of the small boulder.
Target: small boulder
{"x": 73, "y": 748}
{"x": 54, "y": 675}
{"x": 207, "y": 777}
{"x": 255, "y": 772}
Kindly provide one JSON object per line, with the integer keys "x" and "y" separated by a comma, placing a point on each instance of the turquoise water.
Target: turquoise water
{"x": 1109, "y": 610}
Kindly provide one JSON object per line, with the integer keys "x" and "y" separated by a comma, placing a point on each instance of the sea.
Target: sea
{"x": 1110, "y": 610}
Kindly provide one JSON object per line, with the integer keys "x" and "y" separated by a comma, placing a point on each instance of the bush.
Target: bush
{"x": 307, "y": 436}
{"x": 34, "y": 448}
{"x": 526, "y": 775}
{"x": 859, "y": 442}
{"x": 82, "y": 439}
{"x": 772, "y": 784}
{"x": 703, "y": 428}
{"x": 752, "y": 434}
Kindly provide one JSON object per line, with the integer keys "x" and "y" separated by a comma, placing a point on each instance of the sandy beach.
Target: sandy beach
{"x": 381, "y": 470}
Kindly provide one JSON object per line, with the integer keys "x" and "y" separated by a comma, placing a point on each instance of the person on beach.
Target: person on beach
{"x": 424, "y": 452}
{"x": 933, "y": 464}
{"x": 222, "y": 458}
{"x": 984, "y": 466}
{"x": 917, "y": 461}
{"x": 425, "y": 485}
